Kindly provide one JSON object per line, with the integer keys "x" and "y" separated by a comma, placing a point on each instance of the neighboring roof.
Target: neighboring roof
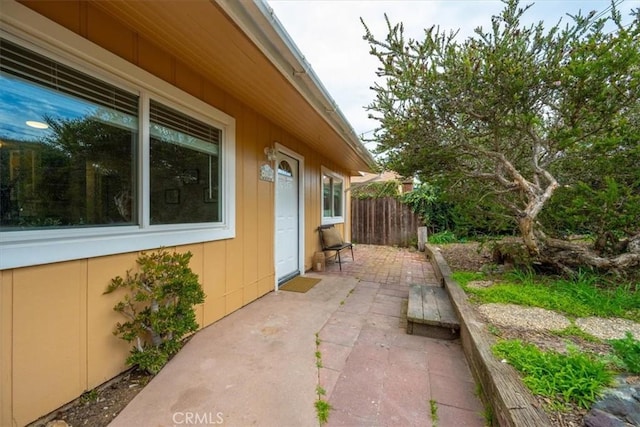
{"x": 242, "y": 47}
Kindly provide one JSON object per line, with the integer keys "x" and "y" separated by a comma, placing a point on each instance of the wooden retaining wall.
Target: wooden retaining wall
{"x": 511, "y": 402}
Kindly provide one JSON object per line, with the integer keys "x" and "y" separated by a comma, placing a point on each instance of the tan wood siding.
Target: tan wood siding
{"x": 100, "y": 339}
{"x": 6, "y": 347}
{"x": 49, "y": 337}
{"x": 56, "y": 323}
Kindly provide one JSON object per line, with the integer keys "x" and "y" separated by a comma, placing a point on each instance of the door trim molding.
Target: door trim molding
{"x": 301, "y": 218}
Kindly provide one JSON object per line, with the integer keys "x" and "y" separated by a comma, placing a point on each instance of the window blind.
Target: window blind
{"x": 33, "y": 67}
{"x": 175, "y": 127}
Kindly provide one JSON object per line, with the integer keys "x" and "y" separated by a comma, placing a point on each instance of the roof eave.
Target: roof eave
{"x": 258, "y": 21}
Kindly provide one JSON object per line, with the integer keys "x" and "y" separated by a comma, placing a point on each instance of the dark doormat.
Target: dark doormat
{"x": 299, "y": 284}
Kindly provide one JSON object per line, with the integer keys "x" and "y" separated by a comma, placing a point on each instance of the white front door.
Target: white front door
{"x": 287, "y": 217}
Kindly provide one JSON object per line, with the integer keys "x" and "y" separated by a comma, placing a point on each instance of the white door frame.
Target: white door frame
{"x": 282, "y": 149}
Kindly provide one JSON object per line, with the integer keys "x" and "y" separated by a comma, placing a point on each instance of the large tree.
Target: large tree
{"x": 514, "y": 113}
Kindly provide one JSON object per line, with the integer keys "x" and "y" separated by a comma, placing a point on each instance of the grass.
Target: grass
{"x": 464, "y": 277}
{"x": 494, "y": 330}
{"x": 574, "y": 331}
{"x": 444, "y": 237}
{"x": 581, "y": 296}
{"x": 575, "y": 377}
{"x": 487, "y": 412}
{"x": 628, "y": 350}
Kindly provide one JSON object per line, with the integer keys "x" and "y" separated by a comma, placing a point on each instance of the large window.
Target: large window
{"x": 121, "y": 162}
{"x": 68, "y": 146}
{"x": 332, "y": 197}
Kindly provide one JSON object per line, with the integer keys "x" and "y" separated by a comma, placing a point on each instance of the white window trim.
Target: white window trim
{"x": 35, "y": 247}
{"x": 332, "y": 219}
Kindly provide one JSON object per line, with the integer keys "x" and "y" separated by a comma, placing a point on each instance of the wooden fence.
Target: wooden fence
{"x": 385, "y": 221}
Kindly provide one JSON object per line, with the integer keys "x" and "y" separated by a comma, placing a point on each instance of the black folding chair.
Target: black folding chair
{"x": 331, "y": 240}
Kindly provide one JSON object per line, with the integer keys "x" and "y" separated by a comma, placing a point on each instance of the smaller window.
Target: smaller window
{"x": 332, "y": 197}
{"x": 185, "y": 168}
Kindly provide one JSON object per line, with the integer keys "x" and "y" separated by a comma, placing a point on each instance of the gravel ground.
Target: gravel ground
{"x": 539, "y": 319}
{"x": 465, "y": 256}
{"x": 527, "y": 318}
{"x": 607, "y": 329}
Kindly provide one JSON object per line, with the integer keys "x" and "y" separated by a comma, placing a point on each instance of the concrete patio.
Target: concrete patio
{"x": 258, "y": 367}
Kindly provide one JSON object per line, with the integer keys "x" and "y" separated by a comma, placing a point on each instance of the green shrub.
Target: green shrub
{"x": 159, "y": 307}
{"x": 425, "y": 200}
{"x": 575, "y": 377}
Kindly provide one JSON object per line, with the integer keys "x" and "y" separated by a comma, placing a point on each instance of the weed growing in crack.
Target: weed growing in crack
{"x": 322, "y": 406}
{"x": 487, "y": 412}
{"x": 434, "y": 413}
{"x": 322, "y": 409}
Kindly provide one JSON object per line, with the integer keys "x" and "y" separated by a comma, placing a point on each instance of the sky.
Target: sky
{"x": 329, "y": 35}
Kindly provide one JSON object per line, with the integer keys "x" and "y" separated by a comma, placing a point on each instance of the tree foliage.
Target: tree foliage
{"x": 427, "y": 202}
{"x": 375, "y": 190}
{"x": 518, "y": 118}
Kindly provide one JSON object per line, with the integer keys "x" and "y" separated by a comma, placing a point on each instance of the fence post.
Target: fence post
{"x": 422, "y": 238}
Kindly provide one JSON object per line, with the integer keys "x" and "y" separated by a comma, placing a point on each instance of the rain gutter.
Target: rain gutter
{"x": 259, "y": 22}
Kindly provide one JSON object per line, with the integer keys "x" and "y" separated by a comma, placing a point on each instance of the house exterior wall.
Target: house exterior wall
{"x": 57, "y": 325}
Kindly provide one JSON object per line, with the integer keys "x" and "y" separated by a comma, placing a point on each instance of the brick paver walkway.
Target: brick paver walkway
{"x": 390, "y": 266}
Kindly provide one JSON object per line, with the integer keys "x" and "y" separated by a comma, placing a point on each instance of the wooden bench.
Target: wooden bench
{"x": 430, "y": 313}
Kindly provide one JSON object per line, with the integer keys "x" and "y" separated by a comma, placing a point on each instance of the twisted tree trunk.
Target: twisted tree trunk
{"x": 573, "y": 255}
{"x": 561, "y": 255}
